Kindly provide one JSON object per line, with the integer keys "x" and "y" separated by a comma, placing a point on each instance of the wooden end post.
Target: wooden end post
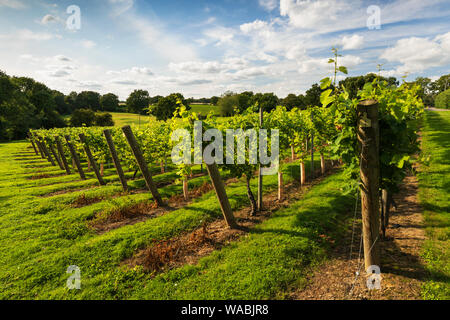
{"x": 142, "y": 164}
{"x": 368, "y": 137}
{"x": 117, "y": 165}
{"x": 219, "y": 187}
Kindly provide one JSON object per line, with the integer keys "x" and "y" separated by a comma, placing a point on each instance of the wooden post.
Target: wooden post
{"x": 142, "y": 164}
{"x": 41, "y": 149}
{"x": 62, "y": 155}
{"x": 75, "y": 158}
{"x": 322, "y": 163}
{"x": 185, "y": 189}
{"x": 55, "y": 155}
{"x": 219, "y": 187}
{"x": 302, "y": 173}
{"x": 112, "y": 150}
{"x": 47, "y": 153}
{"x": 280, "y": 185}
{"x": 260, "y": 176}
{"x": 38, "y": 143}
{"x": 292, "y": 153}
{"x": 91, "y": 159}
{"x": 32, "y": 143}
{"x": 385, "y": 211}
{"x": 368, "y": 137}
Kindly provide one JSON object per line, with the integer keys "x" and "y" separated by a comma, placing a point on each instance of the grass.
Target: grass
{"x": 42, "y": 236}
{"x": 123, "y": 119}
{"x": 204, "y": 109}
{"x": 434, "y": 190}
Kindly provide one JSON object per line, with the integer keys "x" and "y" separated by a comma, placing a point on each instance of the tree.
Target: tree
{"x": 426, "y": 92}
{"x": 268, "y": 101}
{"x": 88, "y": 100}
{"x": 442, "y": 100}
{"x": 292, "y": 101}
{"x": 60, "y": 100}
{"x": 312, "y": 96}
{"x": 42, "y": 98}
{"x": 154, "y": 100}
{"x": 214, "y": 100}
{"x": 166, "y": 107}
{"x": 228, "y": 104}
{"x": 71, "y": 101}
{"x": 442, "y": 84}
{"x": 245, "y": 100}
{"x": 104, "y": 119}
{"x": 138, "y": 101}
{"x": 82, "y": 118}
{"x": 109, "y": 102}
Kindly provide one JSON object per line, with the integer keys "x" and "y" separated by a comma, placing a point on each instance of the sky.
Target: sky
{"x": 203, "y": 48}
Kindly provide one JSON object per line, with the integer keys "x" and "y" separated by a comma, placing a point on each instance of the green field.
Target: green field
{"x": 434, "y": 191}
{"x": 204, "y": 109}
{"x": 123, "y": 119}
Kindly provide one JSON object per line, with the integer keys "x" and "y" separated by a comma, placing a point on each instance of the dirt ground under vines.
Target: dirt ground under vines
{"x": 402, "y": 271}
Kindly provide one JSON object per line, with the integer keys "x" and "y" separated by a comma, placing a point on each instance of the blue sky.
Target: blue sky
{"x": 204, "y": 48}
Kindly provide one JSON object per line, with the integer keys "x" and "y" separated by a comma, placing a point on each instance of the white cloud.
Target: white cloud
{"x": 418, "y": 54}
{"x": 269, "y": 5}
{"x": 13, "y": 4}
{"x": 317, "y": 14}
{"x": 352, "y": 42}
{"x": 47, "y": 19}
{"x": 220, "y": 35}
{"x": 133, "y": 72}
{"x": 253, "y": 26}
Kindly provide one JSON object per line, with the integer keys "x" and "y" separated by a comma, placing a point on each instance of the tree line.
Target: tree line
{"x": 27, "y": 104}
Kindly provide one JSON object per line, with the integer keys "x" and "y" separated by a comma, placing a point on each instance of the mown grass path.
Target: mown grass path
{"x": 434, "y": 195}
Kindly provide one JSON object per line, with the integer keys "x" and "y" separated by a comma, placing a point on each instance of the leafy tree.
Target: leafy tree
{"x": 88, "y": 100}
{"x": 268, "y": 101}
{"x": 71, "y": 101}
{"x": 292, "y": 101}
{"x": 166, "y": 107}
{"x": 83, "y": 118}
{"x": 60, "y": 100}
{"x": 442, "y": 84}
{"x": 426, "y": 90}
{"x": 109, "y": 102}
{"x": 245, "y": 100}
{"x": 214, "y": 100}
{"x": 42, "y": 98}
{"x": 104, "y": 119}
{"x": 138, "y": 101}
{"x": 154, "y": 100}
{"x": 443, "y": 100}
{"x": 312, "y": 96}
{"x": 228, "y": 104}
